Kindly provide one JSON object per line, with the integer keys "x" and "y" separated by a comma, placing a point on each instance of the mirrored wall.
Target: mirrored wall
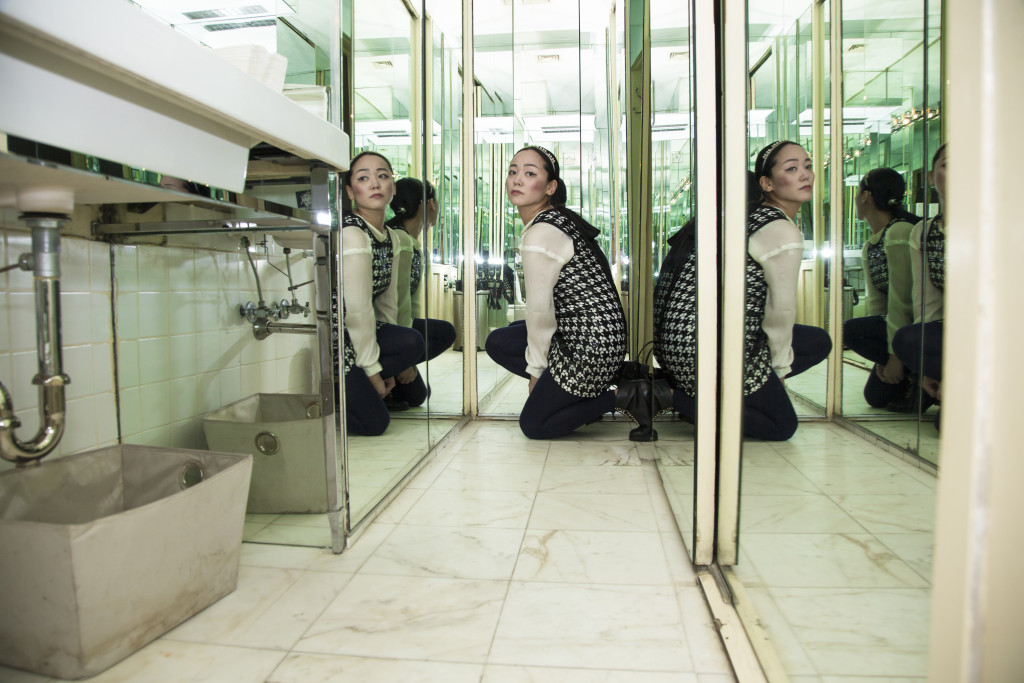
{"x": 835, "y": 525}
{"x": 407, "y": 103}
{"x": 549, "y": 74}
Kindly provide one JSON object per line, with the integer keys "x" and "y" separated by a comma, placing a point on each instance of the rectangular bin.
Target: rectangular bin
{"x": 285, "y": 436}
{"x": 104, "y": 551}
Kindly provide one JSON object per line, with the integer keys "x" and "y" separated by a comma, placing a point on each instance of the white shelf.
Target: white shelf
{"x": 105, "y": 79}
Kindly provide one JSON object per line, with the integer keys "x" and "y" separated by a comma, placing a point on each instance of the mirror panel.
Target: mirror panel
{"x": 388, "y": 119}
{"x": 825, "y": 513}
{"x": 892, "y": 78}
{"x": 673, "y": 149}
{"x": 443, "y": 243}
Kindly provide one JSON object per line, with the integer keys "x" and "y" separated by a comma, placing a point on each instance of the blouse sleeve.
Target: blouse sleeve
{"x": 916, "y": 269}
{"x": 386, "y": 305}
{"x": 545, "y": 250}
{"x": 403, "y": 254}
{"x": 899, "y": 310}
{"x": 778, "y": 247}
{"x": 357, "y": 262}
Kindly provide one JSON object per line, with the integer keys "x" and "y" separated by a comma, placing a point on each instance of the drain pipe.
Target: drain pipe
{"x": 45, "y": 262}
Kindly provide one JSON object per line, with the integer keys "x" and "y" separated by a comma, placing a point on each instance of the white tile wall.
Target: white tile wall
{"x": 184, "y": 346}
{"x": 183, "y": 349}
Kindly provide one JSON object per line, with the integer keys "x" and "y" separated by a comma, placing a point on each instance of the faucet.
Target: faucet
{"x": 265, "y": 318}
{"x": 44, "y": 261}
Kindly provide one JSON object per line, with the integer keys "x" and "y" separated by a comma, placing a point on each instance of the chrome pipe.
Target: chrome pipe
{"x": 50, "y": 379}
{"x": 263, "y": 328}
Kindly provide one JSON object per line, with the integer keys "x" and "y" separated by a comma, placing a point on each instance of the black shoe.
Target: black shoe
{"x": 912, "y": 398}
{"x": 395, "y": 405}
{"x": 633, "y": 398}
{"x": 661, "y": 394}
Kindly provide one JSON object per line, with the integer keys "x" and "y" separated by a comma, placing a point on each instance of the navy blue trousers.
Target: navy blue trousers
{"x": 768, "y": 413}
{"x": 365, "y": 412}
{"x": 550, "y": 411}
{"x": 869, "y": 337}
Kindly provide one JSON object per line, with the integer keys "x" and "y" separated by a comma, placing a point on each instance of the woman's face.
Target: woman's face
{"x": 527, "y": 182}
{"x": 938, "y": 176}
{"x": 792, "y": 177}
{"x": 861, "y": 200}
{"x": 433, "y": 209}
{"x": 372, "y": 183}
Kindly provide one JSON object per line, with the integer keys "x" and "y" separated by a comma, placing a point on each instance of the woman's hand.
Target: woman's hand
{"x": 932, "y": 387}
{"x": 380, "y": 385}
{"x": 408, "y": 375}
{"x": 892, "y": 371}
{"x": 533, "y": 383}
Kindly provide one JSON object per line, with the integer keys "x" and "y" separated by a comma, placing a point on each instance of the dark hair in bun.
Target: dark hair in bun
{"x": 887, "y": 188}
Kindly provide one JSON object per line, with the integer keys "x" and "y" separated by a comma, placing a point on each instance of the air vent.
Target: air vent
{"x": 246, "y": 11}
{"x": 259, "y": 23}
{"x": 560, "y": 129}
{"x": 547, "y": 58}
{"x": 856, "y": 47}
{"x": 383, "y": 64}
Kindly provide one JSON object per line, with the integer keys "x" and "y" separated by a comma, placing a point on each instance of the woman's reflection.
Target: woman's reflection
{"x": 376, "y": 349}
{"x": 919, "y": 346}
{"x": 886, "y": 259}
{"x": 411, "y": 214}
{"x": 574, "y": 339}
{"x": 774, "y": 347}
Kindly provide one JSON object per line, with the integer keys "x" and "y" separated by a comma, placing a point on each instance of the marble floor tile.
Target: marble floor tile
{"x": 593, "y": 557}
{"x": 355, "y": 556}
{"x": 409, "y": 617}
{"x": 916, "y": 549}
{"x": 895, "y": 513}
{"x": 838, "y": 455}
{"x": 477, "y": 476}
{"x": 776, "y": 481}
{"x": 837, "y": 627}
{"x": 400, "y": 506}
{"x": 278, "y": 556}
{"x": 495, "y": 509}
{"x": 271, "y": 608}
{"x": 575, "y": 453}
{"x": 168, "y": 660}
{"x": 593, "y": 511}
{"x": 535, "y": 452}
{"x": 449, "y": 552}
{"x": 592, "y": 627}
{"x": 500, "y": 673}
{"x": 795, "y": 514}
{"x": 677, "y": 555}
{"x": 781, "y": 636}
{"x": 827, "y": 560}
{"x": 286, "y": 534}
{"x": 860, "y": 480}
{"x": 313, "y": 668}
{"x": 610, "y": 479}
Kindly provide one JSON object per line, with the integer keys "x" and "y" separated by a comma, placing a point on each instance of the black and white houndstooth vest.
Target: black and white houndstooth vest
{"x": 878, "y": 263}
{"x": 589, "y": 343}
{"x": 383, "y": 256}
{"x": 756, "y": 353}
{"x": 675, "y": 312}
{"x": 935, "y": 252}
